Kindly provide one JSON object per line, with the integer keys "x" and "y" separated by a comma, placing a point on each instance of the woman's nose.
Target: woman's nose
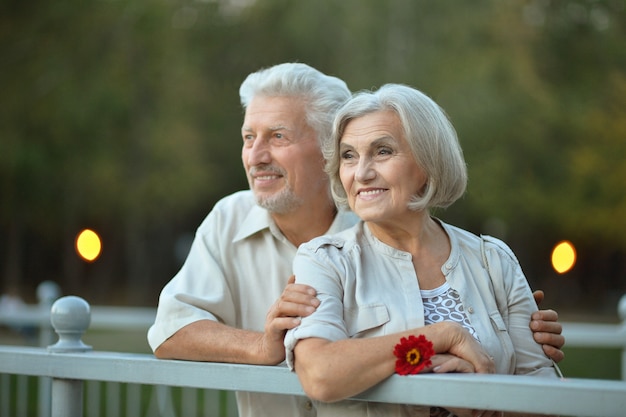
{"x": 365, "y": 171}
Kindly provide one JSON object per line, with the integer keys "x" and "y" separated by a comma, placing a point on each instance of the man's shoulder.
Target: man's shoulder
{"x": 230, "y": 210}
{"x": 240, "y": 201}
{"x": 235, "y": 205}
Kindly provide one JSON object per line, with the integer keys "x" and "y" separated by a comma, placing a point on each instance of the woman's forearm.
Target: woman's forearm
{"x": 331, "y": 371}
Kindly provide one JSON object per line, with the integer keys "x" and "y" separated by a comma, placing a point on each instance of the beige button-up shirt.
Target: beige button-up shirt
{"x": 369, "y": 289}
{"x": 237, "y": 268}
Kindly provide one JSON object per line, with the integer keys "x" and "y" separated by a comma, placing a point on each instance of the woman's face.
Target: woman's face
{"x": 377, "y": 169}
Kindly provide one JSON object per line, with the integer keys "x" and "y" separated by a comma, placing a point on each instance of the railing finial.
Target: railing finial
{"x": 48, "y": 292}
{"x": 621, "y": 311}
{"x": 70, "y": 316}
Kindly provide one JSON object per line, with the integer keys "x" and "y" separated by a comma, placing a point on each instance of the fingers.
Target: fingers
{"x": 463, "y": 345}
{"x": 450, "y": 363}
{"x": 538, "y": 296}
{"x": 547, "y": 332}
{"x": 553, "y": 353}
{"x": 487, "y": 365}
{"x": 279, "y": 325}
{"x": 545, "y": 315}
{"x": 297, "y": 307}
{"x": 550, "y": 338}
{"x": 297, "y": 300}
{"x": 482, "y": 362}
{"x": 548, "y": 327}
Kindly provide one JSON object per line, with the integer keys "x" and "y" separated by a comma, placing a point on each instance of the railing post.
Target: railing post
{"x": 621, "y": 312}
{"x": 47, "y": 293}
{"x": 70, "y": 316}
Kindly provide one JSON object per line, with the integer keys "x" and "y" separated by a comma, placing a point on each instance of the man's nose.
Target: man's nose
{"x": 259, "y": 152}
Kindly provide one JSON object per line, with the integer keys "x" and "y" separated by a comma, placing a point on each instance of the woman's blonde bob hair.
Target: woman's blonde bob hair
{"x": 428, "y": 131}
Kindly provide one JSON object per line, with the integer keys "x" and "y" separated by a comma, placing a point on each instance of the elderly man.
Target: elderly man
{"x": 233, "y": 299}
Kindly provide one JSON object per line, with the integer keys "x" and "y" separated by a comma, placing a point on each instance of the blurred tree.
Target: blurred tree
{"x": 124, "y": 116}
{"x": 97, "y": 131}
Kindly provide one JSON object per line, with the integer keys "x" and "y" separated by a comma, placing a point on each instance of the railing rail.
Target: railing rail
{"x": 573, "y": 397}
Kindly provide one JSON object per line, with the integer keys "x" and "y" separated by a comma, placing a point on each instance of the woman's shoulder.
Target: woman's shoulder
{"x": 340, "y": 241}
{"x": 495, "y": 244}
{"x": 468, "y": 241}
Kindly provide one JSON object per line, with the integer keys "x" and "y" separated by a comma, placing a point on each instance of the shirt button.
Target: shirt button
{"x": 308, "y": 405}
{"x": 470, "y": 310}
{"x": 448, "y": 266}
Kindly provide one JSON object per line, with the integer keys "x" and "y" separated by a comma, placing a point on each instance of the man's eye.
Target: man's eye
{"x": 347, "y": 155}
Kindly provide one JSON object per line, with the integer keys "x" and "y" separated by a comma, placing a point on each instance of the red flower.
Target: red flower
{"x": 413, "y": 354}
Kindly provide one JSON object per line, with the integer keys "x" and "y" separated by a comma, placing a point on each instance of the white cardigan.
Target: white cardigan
{"x": 368, "y": 289}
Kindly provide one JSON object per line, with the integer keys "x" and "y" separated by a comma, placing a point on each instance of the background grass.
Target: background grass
{"x": 593, "y": 363}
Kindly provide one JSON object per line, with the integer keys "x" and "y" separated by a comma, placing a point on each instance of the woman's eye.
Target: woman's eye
{"x": 384, "y": 151}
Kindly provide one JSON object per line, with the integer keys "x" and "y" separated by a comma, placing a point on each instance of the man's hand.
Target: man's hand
{"x": 296, "y": 301}
{"x": 547, "y": 330}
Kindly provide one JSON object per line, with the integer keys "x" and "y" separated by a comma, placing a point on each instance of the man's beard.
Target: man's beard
{"x": 282, "y": 202}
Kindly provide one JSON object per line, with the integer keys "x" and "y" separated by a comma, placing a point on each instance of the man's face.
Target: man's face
{"x": 281, "y": 154}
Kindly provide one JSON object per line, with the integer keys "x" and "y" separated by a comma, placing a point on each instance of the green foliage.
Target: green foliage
{"x": 124, "y": 116}
{"x": 593, "y": 363}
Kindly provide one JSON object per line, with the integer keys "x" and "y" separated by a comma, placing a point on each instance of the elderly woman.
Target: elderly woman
{"x": 393, "y": 156}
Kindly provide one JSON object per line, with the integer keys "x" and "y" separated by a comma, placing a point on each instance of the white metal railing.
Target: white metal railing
{"x": 69, "y": 363}
{"x": 18, "y": 392}
{"x": 102, "y": 317}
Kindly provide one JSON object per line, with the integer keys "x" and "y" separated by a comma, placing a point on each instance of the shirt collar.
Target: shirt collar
{"x": 259, "y": 219}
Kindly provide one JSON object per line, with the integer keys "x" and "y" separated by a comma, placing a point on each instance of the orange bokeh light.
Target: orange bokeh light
{"x": 88, "y": 245}
{"x": 563, "y": 257}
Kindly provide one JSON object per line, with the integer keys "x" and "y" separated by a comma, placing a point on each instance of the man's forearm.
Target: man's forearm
{"x": 210, "y": 341}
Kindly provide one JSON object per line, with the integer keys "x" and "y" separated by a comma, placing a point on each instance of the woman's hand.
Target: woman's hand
{"x": 446, "y": 363}
{"x": 459, "y": 342}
